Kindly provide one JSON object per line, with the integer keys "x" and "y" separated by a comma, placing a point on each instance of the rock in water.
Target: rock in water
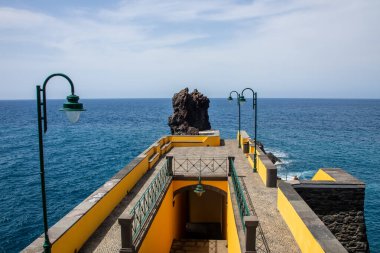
{"x": 261, "y": 146}
{"x": 190, "y": 113}
{"x": 273, "y": 158}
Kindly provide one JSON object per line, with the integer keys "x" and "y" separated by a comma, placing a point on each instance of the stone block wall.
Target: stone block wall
{"x": 341, "y": 208}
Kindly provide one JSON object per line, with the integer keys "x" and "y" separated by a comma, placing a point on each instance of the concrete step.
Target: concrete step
{"x": 198, "y": 246}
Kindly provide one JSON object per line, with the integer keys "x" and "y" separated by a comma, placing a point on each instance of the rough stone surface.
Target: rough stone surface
{"x": 190, "y": 113}
{"x": 273, "y": 158}
{"x": 261, "y": 146}
{"x": 342, "y": 211}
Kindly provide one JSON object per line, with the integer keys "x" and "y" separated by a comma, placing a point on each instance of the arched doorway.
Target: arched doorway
{"x": 203, "y": 217}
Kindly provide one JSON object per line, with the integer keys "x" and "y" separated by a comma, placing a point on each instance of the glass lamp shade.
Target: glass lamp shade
{"x": 199, "y": 190}
{"x": 229, "y": 99}
{"x": 242, "y": 99}
{"x": 72, "y": 108}
{"x": 73, "y": 116}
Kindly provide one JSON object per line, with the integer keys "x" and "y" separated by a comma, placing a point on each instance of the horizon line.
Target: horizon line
{"x": 115, "y": 98}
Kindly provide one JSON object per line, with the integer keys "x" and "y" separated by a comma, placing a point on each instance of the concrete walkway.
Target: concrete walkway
{"x": 263, "y": 199}
{"x": 264, "y": 202}
{"x": 199, "y": 246}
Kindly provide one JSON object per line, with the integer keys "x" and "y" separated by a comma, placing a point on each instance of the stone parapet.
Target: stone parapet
{"x": 309, "y": 231}
{"x": 340, "y": 206}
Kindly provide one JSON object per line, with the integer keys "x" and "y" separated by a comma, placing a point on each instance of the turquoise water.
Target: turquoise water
{"x": 305, "y": 133}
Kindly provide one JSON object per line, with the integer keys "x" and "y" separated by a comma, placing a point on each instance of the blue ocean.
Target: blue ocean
{"x": 306, "y": 134}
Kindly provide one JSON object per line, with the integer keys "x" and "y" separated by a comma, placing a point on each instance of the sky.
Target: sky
{"x": 154, "y": 48}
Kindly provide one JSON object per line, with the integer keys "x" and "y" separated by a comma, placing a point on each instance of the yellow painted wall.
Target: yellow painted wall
{"x": 188, "y": 138}
{"x": 161, "y": 232}
{"x": 77, "y": 235}
{"x": 180, "y": 215}
{"x": 321, "y": 175}
{"x": 224, "y": 217}
{"x": 150, "y": 151}
{"x": 194, "y": 140}
{"x": 243, "y": 139}
{"x": 222, "y": 185}
{"x": 252, "y": 150}
{"x": 232, "y": 234}
{"x": 261, "y": 168}
{"x": 170, "y": 146}
{"x": 167, "y": 224}
{"x": 302, "y": 235}
{"x": 250, "y": 161}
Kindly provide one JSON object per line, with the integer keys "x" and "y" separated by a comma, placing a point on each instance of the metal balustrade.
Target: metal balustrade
{"x": 206, "y": 166}
{"x": 148, "y": 200}
{"x": 239, "y": 193}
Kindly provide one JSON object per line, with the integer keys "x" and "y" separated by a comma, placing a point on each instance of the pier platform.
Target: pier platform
{"x": 188, "y": 194}
{"x": 262, "y": 201}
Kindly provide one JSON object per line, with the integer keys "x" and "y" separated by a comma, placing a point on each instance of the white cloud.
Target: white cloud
{"x": 151, "y": 48}
{"x": 16, "y": 18}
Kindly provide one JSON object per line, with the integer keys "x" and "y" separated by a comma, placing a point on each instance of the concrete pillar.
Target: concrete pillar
{"x": 125, "y": 222}
{"x": 169, "y": 164}
{"x": 246, "y": 147}
{"x": 250, "y": 223}
{"x": 230, "y": 160}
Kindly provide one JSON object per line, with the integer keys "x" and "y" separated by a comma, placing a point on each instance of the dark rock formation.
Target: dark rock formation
{"x": 273, "y": 158}
{"x": 261, "y": 146}
{"x": 270, "y": 155}
{"x": 190, "y": 113}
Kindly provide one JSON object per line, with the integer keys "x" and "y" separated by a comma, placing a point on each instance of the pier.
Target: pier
{"x": 263, "y": 201}
{"x": 204, "y": 194}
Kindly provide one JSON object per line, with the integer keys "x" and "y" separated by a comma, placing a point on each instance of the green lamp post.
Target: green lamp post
{"x": 72, "y": 108}
{"x": 238, "y": 102}
{"x": 254, "y": 107}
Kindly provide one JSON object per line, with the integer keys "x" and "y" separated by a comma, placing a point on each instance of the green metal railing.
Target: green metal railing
{"x": 261, "y": 242}
{"x": 207, "y": 166}
{"x": 239, "y": 193}
{"x": 148, "y": 201}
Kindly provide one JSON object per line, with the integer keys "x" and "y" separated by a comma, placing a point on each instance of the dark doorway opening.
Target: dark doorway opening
{"x": 203, "y": 217}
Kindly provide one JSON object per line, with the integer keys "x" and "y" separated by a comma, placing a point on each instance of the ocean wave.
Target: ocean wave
{"x": 283, "y": 163}
{"x": 278, "y": 153}
{"x": 289, "y": 175}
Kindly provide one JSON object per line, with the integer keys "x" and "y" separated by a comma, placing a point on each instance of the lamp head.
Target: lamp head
{"x": 242, "y": 99}
{"x": 229, "y": 98}
{"x": 199, "y": 190}
{"x": 72, "y": 108}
